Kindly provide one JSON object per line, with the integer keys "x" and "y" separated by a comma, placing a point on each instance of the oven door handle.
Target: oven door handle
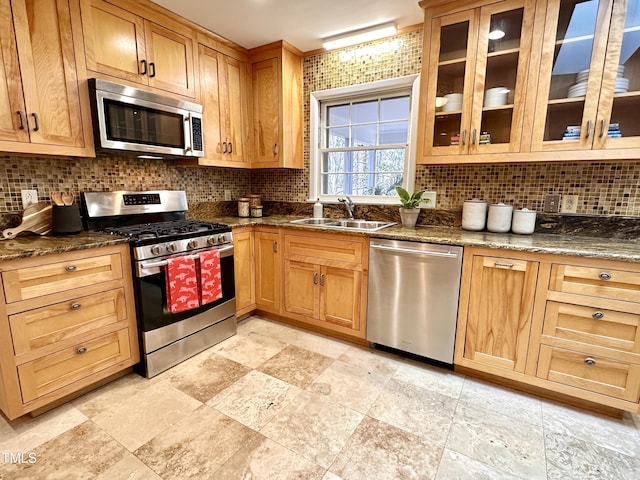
{"x": 163, "y": 263}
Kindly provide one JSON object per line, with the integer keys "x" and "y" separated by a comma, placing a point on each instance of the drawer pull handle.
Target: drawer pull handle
{"x": 605, "y": 276}
{"x": 82, "y": 350}
{"x": 322, "y": 280}
{"x": 506, "y": 265}
{"x": 589, "y": 361}
{"x": 70, "y": 268}
{"x": 75, "y": 306}
{"x": 315, "y": 278}
{"x": 598, "y": 315}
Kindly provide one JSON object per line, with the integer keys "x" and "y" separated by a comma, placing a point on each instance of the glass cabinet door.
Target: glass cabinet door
{"x": 574, "y": 47}
{"x": 450, "y": 87}
{"x": 617, "y": 124}
{"x": 504, "y": 45}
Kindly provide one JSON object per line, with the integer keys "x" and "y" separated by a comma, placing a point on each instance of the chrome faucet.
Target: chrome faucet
{"x": 348, "y": 204}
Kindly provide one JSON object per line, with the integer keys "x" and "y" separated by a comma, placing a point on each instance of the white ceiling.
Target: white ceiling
{"x": 303, "y": 23}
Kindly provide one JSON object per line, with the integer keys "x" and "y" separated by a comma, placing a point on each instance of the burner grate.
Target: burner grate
{"x": 165, "y": 230}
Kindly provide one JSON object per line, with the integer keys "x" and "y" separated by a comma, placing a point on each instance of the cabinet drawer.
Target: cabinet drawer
{"x": 596, "y": 282}
{"x": 44, "y": 326}
{"x": 605, "y": 376}
{"x": 594, "y": 326}
{"x": 70, "y": 365}
{"x": 39, "y": 280}
{"x": 324, "y": 247}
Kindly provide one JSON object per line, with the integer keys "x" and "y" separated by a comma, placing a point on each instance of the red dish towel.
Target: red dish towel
{"x": 182, "y": 284}
{"x": 210, "y": 277}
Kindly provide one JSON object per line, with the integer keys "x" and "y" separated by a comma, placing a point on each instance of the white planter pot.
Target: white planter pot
{"x": 409, "y": 216}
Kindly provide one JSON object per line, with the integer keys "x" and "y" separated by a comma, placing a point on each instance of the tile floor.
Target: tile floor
{"x": 274, "y": 402}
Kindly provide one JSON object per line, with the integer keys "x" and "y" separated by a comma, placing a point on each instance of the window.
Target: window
{"x": 361, "y": 138}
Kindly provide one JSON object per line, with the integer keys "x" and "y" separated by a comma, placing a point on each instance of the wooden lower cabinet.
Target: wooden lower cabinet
{"x": 325, "y": 279}
{"x": 67, "y": 322}
{"x": 244, "y": 269}
{"x": 268, "y": 249}
{"x": 567, "y": 325}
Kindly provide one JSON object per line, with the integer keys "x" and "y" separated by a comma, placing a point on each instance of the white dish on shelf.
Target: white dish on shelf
{"x": 622, "y": 83}
{"x": 454, "y": 102}
{"x": 496, "y": 97}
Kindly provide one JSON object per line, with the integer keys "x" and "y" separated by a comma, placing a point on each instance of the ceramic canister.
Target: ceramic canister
{"x": 524, "y": 221}
{"x": 474, "y": 214}
{"x": 499, "y": 219}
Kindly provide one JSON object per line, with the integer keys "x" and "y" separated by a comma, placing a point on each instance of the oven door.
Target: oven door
{"x": 158, "y": 326}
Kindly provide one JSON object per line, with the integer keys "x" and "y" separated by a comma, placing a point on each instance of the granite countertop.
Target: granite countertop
{"x": 561, "y": 244}
{"x": 584, "y": 246}
{"x": 34, "y": 245}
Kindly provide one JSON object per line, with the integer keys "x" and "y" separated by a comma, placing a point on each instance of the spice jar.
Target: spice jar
{"x": 243, "y": 207}
{"x": 256, "y": 211}
{"x": 254, "y": 200}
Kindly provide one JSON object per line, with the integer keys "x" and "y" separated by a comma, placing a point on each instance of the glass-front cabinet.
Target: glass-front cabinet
{"x": 477, "y": 69}
{"x": 589, "y": 83}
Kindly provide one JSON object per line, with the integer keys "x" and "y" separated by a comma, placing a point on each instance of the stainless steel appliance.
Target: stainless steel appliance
{"x": 128, "y": 119}
{"x": 156, "y": 226}
{"x": 413, "y": 297}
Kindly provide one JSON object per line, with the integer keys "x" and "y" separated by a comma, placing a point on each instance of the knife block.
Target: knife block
{"x": 66, "y": 219}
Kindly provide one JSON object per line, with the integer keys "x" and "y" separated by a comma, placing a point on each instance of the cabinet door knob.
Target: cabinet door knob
{"x": 464, "y": 137}
{"x": 81, "y": 350}
{"x": 589, "y": 127}
{"x": 603, "y": 126}
{"x": 36, "y": 122}
{"x": 322, "y": 280}
{"x": 315, "y": 278}
{"x": 275, "y": 247}
{"x": 598, "y": 315}
{"x": 230, "y": 147}
{"x": 224, "y": 147}
{"x": 275, "y": 148}
{"x": 144, "y": 67}
{"x": 70, "y": 268}
{"x": 605, "y": 276}
{"x": 152, "y": 67}
{"x": 589, "y": 361}
{"x": 76, "y": 306}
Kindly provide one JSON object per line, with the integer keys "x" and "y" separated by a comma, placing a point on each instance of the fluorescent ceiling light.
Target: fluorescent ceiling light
{"x": 360, "y": 36}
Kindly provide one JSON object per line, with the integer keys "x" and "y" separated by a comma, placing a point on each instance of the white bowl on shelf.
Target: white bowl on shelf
{"x": 496, "y": 97}
{"x": 454, "y": 102}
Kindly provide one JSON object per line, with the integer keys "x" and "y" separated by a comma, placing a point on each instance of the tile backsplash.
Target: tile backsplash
{"x": 605, "y": 188}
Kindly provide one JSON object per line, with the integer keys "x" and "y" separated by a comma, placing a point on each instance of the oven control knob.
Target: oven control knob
{"x": 212, "y": 240}
{"x": 191, "y": 244}
{"x": 156, "y": 250}
{"x": 222, "y": 238}
{"x": 171, "y": 247}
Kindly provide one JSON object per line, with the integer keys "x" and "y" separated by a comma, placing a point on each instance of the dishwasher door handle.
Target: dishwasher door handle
{"x": 415, "y": 252}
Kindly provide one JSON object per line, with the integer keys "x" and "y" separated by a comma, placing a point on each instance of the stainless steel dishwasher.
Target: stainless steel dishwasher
{"x": 413, "y": 297}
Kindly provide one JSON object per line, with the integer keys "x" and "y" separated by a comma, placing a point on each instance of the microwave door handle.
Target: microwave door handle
{"x": 188, "y": 148}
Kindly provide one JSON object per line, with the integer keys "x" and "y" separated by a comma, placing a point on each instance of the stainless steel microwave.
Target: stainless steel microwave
{"x": 127, "y": 119}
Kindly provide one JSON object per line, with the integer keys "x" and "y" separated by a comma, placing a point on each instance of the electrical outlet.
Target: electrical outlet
{"x": 28, "y": 197}
{"x": 551, "y": 203}
{"x": 431, "y": 196}
{"x": 569, "y": 204}
{"x": 227, "y": 194}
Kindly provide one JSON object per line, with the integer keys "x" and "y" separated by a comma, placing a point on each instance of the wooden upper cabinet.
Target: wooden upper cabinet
{"x": 277, "y": 106}
{"x": 121, "y": 44}
{"x": 589, "y": 84}
{"x": 475, "y": 81}
{"x": 41, "y": 107}
{"x": 224, "y": 92}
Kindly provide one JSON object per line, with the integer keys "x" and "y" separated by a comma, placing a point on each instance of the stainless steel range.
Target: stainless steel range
{"x": 162, "y": 238}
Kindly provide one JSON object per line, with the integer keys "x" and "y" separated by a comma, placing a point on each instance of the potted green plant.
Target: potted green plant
{"x": 410, "y": 201}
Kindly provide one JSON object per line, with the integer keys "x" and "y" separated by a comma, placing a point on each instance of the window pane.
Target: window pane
{"x": 365, "y": 112}
{"x": 394, "y": 109}
{"x": 385, "y": 184}
{"x": 333, "y": 184}
{"x": 394, "y": 132}
{"x": 338, "y": 115}
{"x": 364, "y": 135}
{"x": 362, "y": 184}
{"x": 334, "y": 161}
{"x": 338, "y": 137}
{"x": 390, "y": 160}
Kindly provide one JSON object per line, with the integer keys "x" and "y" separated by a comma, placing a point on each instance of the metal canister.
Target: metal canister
{"x": 254, "y": 200}
{"x": 243, "y": 207}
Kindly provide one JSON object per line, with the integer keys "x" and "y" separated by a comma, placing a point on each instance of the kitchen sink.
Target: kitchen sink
{"x": 346, "y": 223}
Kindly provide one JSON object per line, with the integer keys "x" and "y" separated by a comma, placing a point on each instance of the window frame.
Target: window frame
{"x": 410, "y": 84}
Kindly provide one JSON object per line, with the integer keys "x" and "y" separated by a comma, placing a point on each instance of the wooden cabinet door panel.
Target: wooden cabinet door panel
{"x": 210, "y": 96}
{"x": 268, "y": 271}
{"x": 114, "y": 41}
{"x": 170, "y": 60}
{"x": 500, "y": 311}
{"x": 596, "y": 282}
{"x": 243, "y": 259}
{"x": 57, "y": 370}
{"x": 48, "y": 68}
{"x": 340, "y": 291}
{"x": 301, "y": 295}
{"x": 12, "y": 100}
{"x": 592, "y": 373}
{"x": 233, "y": 107}
{"x": 266, "y": 113}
